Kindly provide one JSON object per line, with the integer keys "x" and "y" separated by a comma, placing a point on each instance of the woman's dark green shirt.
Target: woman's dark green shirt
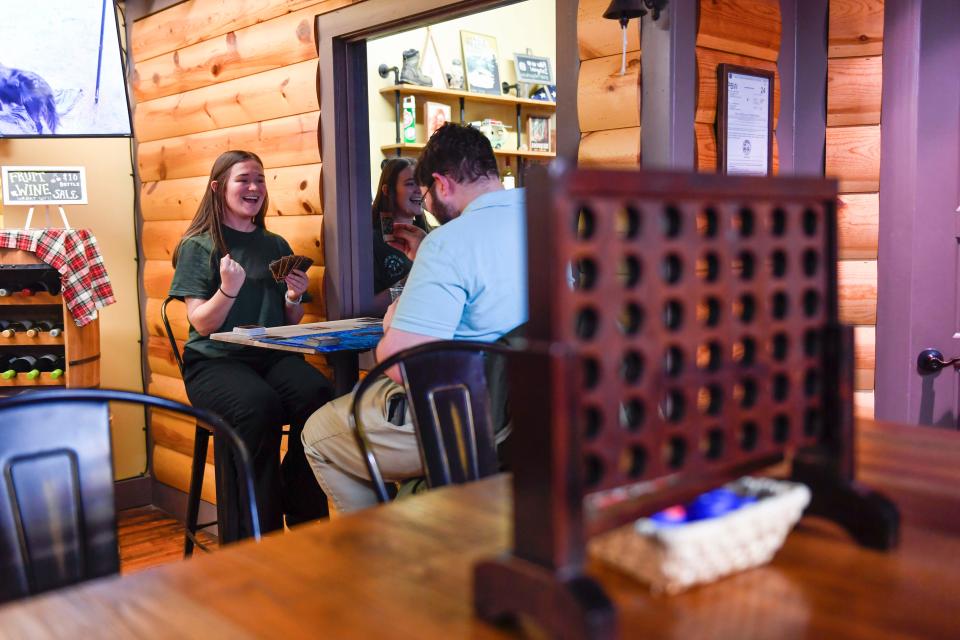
{"x": 260, "y": 300}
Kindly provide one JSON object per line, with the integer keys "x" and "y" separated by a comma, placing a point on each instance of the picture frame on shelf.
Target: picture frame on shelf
{"x": 533, "y": 69}
{"x": 538, "y": 133}
{"x": 430, "y": 63}
{"x": 435, "y": 115}
{"x": 481, "y": 70}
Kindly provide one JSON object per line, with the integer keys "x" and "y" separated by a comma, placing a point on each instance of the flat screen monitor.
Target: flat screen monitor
{"x": 61, "y": 72}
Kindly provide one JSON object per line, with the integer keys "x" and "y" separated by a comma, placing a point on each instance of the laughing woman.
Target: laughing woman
{"x": 223, "y": 277}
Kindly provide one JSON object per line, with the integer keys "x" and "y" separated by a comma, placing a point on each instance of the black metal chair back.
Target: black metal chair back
{"x": 169, "y": 331}
{"x": 57, "y": 516}
{"x": 449, "y": 401}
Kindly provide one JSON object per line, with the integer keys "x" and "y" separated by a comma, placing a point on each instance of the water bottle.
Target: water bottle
{"x": 409, "y": 119}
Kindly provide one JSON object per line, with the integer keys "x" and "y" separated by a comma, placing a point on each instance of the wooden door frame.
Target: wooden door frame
{"x": 344, "y": 126}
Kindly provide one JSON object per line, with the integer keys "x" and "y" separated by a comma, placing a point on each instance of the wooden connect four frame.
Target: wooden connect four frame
{"x": 683, "y": 331}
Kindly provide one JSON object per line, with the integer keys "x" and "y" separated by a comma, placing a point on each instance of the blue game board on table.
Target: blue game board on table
{"x": 357, "y": 339}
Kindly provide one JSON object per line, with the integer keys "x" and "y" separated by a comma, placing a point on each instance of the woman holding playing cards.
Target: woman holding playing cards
{"x": 223, "y": 276}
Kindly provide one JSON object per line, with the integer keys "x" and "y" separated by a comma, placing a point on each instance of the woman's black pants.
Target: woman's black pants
{"x": 257, "y": 391}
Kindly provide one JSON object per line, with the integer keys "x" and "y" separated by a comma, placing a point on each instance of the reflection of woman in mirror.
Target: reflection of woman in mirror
{"x": 398, "y": 196}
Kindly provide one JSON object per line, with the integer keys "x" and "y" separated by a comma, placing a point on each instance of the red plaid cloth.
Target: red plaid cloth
{"x": 74, "y": 253}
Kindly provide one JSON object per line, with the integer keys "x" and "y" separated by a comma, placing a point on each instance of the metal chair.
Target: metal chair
{"x": 447, "y": 390}
{"x": 198, "y": 464}
{"x": 58, "y": 521}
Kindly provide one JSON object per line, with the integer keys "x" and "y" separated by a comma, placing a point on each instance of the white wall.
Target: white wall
{"x": 517, "y": 27}
{"x": 109, "y": 215}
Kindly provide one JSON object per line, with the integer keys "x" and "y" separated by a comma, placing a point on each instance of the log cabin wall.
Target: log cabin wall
{"x": 209, "y": 76}
{"x": 741, "y": 32}
{"x": 608, "y": 104}
{"x": 854, "y": 83}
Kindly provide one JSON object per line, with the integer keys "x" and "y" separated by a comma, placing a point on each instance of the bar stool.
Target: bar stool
{"x": 198, "y": 463}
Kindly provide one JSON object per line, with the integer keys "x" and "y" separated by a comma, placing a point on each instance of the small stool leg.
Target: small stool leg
{"x": 200, "y": 442}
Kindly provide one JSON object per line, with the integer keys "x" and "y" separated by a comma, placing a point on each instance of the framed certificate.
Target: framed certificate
{"x": 744, "y": 120}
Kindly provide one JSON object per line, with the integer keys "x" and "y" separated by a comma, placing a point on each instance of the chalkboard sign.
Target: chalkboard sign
{"x": 29, "y": 186}
{"x": 533, "y": 69}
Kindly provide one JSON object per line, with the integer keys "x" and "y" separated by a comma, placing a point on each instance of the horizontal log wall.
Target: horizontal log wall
{"x": 209, "y": 76}
{"x": 854, "y": 83}
{"x": 740, "y": 32}
{"x": 608, "y": 104}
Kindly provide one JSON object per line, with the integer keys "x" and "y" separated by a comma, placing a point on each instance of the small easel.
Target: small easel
{"x": 63, "y": 216}
{"x": 36, "y": 185}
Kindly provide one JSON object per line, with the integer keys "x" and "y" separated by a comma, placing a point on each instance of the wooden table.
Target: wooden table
{"x": 345, "y": 360}
{"x": 404, "y": 571}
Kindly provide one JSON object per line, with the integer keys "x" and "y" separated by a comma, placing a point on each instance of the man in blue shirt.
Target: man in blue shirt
{"x": 468, "y": 282}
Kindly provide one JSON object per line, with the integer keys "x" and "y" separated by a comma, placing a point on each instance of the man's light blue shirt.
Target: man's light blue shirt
{"x": 469, "y": 280}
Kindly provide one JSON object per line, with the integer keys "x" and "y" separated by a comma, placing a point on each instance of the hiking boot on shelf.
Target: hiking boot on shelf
{"x": 410, "y": 73}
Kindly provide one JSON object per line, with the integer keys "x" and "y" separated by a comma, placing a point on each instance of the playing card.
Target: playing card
{"x": 303, "y": 263}
{"x": 275, "y": 270}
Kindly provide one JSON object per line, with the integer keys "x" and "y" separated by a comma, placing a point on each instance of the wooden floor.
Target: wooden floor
{"x": 149, "y": 537}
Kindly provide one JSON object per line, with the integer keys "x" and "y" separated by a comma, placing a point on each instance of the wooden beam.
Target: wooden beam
{"x": 283, "y": 142}
{"x": 858, "y": 223}
{"x": 294, "y": 191}
{"x": 176, "y": 433}
{"x": 158, "y": 274}
{"x": 747, "y": 27}
{"x": 302, "y": 232}
{"x": 160, "y": 357}
{"x": 707, "y": 61}
{"x": 857, "y": 281}
{"x": 610, "y": 148}
{"x": 864, "y": 357}
{"x": 597, "y": 36}
{"x": 856, "y": 28}
{"x": 193, "y": 21}
{"x": 172, "y": 468}
{"x": 863, "y": 404}
{"x": 285, "y": 91}
{"x": 853, "y": 156}
{"x": 275, "y": 43}
{"x": 605, "y": 99}
{"x": 854, "y": 86}
{"x": 177, "y": 313}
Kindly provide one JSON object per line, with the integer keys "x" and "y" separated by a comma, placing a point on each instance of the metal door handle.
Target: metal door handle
{"x": 931, "y": 361}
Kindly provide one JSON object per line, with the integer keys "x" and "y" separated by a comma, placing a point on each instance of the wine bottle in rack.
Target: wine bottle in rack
{"x": 16, "y": 326}
{"x": 4, "y": 292}
{"x": 51, "y": 363}
{"x": 44, "y": 325}
{"x": 26, "y": 365}
{"x": 6, "y": 371}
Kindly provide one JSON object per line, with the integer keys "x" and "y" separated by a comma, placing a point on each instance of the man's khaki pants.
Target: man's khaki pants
{"x": 331, "y": 447}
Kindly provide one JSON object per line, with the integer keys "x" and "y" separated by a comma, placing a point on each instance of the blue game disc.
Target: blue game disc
{"x": 712, "y": 504}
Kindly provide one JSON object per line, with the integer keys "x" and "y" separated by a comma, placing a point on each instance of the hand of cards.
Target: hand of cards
{"x": 282, "y": 267}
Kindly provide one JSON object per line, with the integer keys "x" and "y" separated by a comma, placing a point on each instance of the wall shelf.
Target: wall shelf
{"x": 79, "y": 345}
{"x": 418, "y": 146}
{"x": 456, "y": 94}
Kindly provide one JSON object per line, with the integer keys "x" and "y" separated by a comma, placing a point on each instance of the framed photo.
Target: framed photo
{"x": 435, "y": 115}
{"x": 480, "y": 70}
{"x": 744, "y": 120}
{"x": 538, "y": 133}
{"x": 533, "y": 69}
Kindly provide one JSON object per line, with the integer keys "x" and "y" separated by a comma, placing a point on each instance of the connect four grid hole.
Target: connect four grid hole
{"x": 675, "y": 452}
{"x": 630, "y": 319}
{"x": 584, "y": 274}
{"x": 632, "y": 414}
{"x": 671, "y": 222}
{"x": 629, "y": 271}
{"x": 592, "y": 422}
{"x": 627, "y": 222}
{"x": 633, "y": 461}
{"x": 584, "y": 223}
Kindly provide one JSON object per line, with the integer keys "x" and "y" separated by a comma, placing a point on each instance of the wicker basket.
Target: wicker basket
{"x": 671, "y": 559}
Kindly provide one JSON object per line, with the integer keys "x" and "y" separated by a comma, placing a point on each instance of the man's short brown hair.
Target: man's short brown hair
{"x": 458, "y": 151}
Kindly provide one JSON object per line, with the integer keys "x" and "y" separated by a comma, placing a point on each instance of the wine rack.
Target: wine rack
{"x": 80, "y": 346}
